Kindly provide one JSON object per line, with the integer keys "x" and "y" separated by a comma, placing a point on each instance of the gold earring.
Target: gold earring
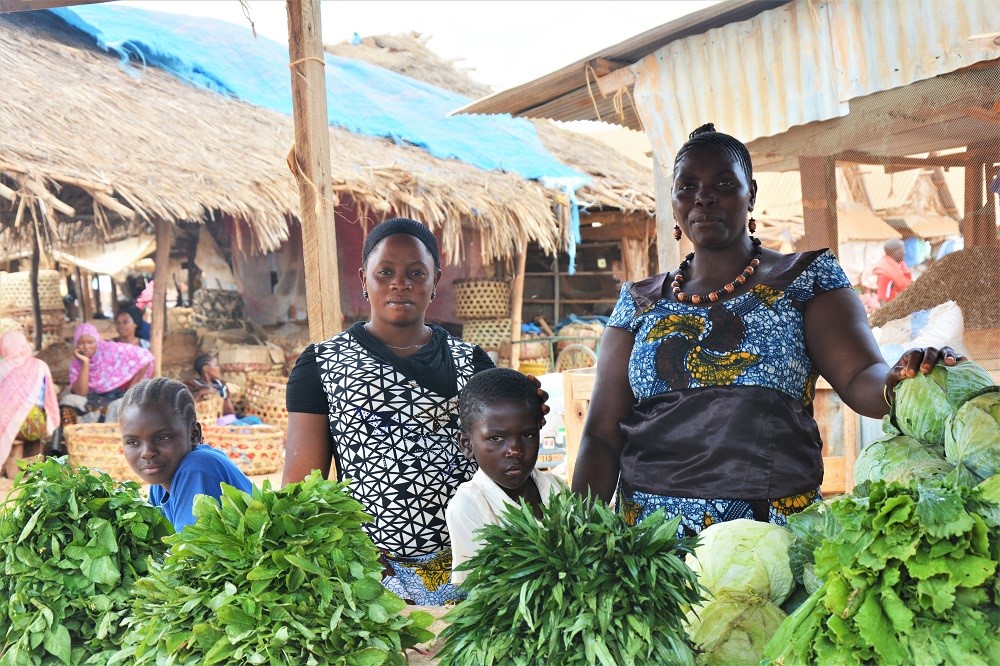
{"x": 677, "y": 231}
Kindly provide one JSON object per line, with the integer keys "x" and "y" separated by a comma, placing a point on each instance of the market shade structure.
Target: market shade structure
{"x": 805, "y": 85}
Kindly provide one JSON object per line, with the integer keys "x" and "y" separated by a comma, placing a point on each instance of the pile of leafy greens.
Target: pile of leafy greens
{"x": 279, "y": 577}
{"x": 579, "y": 586}
{"x": 72, "y": 543}
{"x": 909, "y": 576}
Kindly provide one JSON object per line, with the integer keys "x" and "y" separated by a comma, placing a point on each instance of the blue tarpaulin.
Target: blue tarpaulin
{"x": 362, "y": 98}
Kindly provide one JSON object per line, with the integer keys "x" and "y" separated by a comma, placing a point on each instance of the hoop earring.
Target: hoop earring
{"x": 752, "y": 224}
{"x": 433, "y": 294}
{"x": 365, "y": 294}
{"x": 677, "y": 231}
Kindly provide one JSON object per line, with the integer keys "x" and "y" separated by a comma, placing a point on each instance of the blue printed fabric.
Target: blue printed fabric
{"x": 753, "y": 339}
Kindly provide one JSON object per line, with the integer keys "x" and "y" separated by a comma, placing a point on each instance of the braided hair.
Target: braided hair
{"x": 493, "y": 386}
{"x": 165, "y": 392}
{"x": 706, "y": 135}
{"x": 401, "y": 225}
{"x": 200, "y": 361}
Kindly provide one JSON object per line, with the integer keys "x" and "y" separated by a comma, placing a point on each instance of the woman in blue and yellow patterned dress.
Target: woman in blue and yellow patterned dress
{"x": 703, "y": 397}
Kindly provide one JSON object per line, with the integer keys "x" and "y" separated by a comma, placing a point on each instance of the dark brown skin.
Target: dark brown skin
{"x": 711, "y": 198}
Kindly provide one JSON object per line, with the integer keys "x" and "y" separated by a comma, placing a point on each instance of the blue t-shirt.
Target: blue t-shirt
{"x": 201, "y": 472}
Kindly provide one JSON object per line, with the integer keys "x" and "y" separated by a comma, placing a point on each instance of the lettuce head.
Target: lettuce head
{"x": 972, "y": 438}
{"x": 925, "y": 403}
{"x": 744, "y": 556}
{"x": 901, "y": 459}
{"x": 733, "y": 628}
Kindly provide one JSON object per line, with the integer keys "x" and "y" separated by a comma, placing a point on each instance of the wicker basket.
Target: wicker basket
{"x": 265, "y": 397}
{"x": 490, "y": 334}
{"x": 180, "y": 319}
{"x": 209, "y": 407}
{"x": 15, "y": 291}
{"x": 99, "y": 447}
{"x": 254, "y": 450}
{"x": 217, "y": 304}
{"x": 482, "y": 299}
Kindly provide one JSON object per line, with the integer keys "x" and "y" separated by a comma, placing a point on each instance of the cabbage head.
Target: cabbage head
{"x": 901, "y": 459}
{"x": 744, "y": 556}
{"x": 733, "y": 628}
{"x": 973, "y": 435}
{"x": 925, "y": 403}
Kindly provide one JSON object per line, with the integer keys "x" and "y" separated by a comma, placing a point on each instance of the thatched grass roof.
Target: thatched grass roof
{"x": 617, "y": 182}
{"x": 109, "y": 149}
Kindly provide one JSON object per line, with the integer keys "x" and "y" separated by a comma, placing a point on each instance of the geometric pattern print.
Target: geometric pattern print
{"x": 397, "y": 442}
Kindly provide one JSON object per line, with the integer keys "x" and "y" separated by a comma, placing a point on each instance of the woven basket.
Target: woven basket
{"x": 254, "y": 450}
{"x": 209, "y": 407}
{"x": 99, "y": 447}
{"x": 15, "y": 291}
{"x": 217, "y": 304}
{"x": 490, "y": 334}
{"x": 265, "y": 397}
{"x": 582, "y": 330}
{"x": 179, "y": 319}
{"x": 482, "y": 299}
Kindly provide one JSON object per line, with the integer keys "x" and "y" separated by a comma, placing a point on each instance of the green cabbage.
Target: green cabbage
{"x": 901, "y": 459}
{"x": 744, "y": 556}
{"x": 972, "y": 438}
{"x": 733, "y": 628}
{"x": 925, "y": 403}
{"x": 991, "y": 488}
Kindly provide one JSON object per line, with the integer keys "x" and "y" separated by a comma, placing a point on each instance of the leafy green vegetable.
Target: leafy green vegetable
{"x": 72, "y": 543}
{"x": 733, "y": 628}
{"x": 902, "y": 459}
{"x": 925, "y": 403}
{"x": 577, "y": 587}
{"x": 911, "y": 578}
{"x": 991, "y": 489}
{"x": 744, "y": 556}
{"x": 810, "y": 528}
{"x": 279, "y": 577}
{"x": 972, "y": 438}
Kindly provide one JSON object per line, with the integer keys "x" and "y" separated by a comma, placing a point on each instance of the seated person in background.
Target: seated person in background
{"x": 100, "y": 374}
{"x": 142, "y": 327}
{"x": 126, "y": 326}
{"x": 208, "y": 380}
{"x": 29, "y": 409}
{"x": 500, "y": 414}
{"x": 891, "y": 271}
{"x": 163, "y": 446}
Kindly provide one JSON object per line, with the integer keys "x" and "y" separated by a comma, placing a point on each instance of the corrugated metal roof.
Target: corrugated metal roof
{"x": 803, "y": 62}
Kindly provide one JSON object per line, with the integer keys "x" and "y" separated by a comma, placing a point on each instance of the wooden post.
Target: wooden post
{"x": 98, "y": 309}
{"x": 114, "y": 296}
{"x": 310, "y": 163}
{"x": 668, "y": 252}
{"x": 159, "y": 305}
{"x": 36, "y": 304}
{"x": 83, "y": 294}
{"x": 517, "y": 303}
{"x": 974, "y": 175}
{"x": 819, "y": 203}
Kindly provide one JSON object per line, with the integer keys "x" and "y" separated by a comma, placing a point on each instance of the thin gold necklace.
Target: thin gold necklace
{"x": 421, "y": 344}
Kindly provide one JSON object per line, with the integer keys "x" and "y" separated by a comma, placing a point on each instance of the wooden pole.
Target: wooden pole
{"x": 98, "y": 309}
{"x": 310, "y": 163}
{"x": 83, "y": 293}
{"x": 114, "y": 296}
{"x": 36, "y": 304}
{"x": 819, "y": 203}
{"x": 974, "y": 175}
{"x": 162, "y": 261}
{"x": 517, "y": 303}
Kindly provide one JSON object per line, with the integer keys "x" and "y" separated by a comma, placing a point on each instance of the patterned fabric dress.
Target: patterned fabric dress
{"x": 398, "y": 444}
{"x": 722, "y": 426}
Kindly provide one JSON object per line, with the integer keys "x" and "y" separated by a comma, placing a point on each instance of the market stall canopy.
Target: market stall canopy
{"x": 107, "y": 258}
{"x": 923, "y": 225}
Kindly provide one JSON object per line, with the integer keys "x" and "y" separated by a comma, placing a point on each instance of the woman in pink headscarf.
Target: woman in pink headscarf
{"x": 102, "y": 371}
{"x": 29, "y": 409}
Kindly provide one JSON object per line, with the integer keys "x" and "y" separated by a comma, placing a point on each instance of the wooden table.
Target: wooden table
{"x": 838, "y": 427}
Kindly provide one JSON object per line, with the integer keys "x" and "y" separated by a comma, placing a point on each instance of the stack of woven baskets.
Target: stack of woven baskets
{"x": 15, "y": 303}
{"x": 484, "y": 308}
{"x": 217, "y": 309}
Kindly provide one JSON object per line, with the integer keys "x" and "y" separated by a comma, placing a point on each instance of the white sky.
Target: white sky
{"x": 503, "y": 42}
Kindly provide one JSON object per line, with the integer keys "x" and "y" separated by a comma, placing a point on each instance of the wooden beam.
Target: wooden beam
{"x": 517, "y": 303}
{"x": 310, "y": 164}
{"x": 36, "y": 301}
{"x": 615, "y": 225}
{"x": 83, "y": 295}
{"x": 668, "y": 253}
{"x": 974, "y": 175}
{"x": 159, "y": 305}
{"x": 860, "y": 157}
{"x": 819, "y": 203}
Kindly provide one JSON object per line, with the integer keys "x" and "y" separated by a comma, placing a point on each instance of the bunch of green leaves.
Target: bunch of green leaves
{"x": 578, "y": 586}
{"x": 72, "y": 543}
{"x": 280, "y": 577}
{"x": 910, "y": 578}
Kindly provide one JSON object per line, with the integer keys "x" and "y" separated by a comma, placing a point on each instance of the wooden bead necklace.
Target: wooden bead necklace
{"x": 729, "y": 288}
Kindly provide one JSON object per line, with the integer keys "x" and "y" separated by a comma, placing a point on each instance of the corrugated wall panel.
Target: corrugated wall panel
{"x": 803, "y": 62}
